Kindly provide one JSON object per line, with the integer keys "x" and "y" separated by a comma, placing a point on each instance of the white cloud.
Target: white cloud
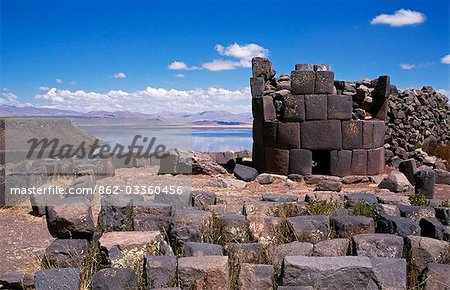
{"x": 407, "y": 66}
{"x": 44, "y": 88}
{"x": 446, "y": 59}
{"x": 179, "y": 65}
{"x": 244, "y": 53}
{"x": 179, "y": 75}
{"x": 151, "y": 100}
{"x": 8, "y": 98}
{"x": 400, "y": 18}
{"x": 72, "y": 83}
{"x": 220, "y": 64}
{"x": 119, "y": 75}
{"x": 59, "y": 81}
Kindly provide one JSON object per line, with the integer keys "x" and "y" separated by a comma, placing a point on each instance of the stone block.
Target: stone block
{"x": 205, "y": 272}
{"x": 66, "y": 253}
{"x": 288, "y": 135}
{"x": 408, "y": 168}
{"x": 396, "y": 182}
{"x": 435, "y": 276}
{"x": 425, "y": 183}
{"x": 294, "y": 108}
{"x": 70, "y": 218}
{"x": 422, "y": 251}
{"x": 433, "y": 228}
{"x": 373, "y": 134}
{"x": 396, "y": 225}
{"x": 339, "y": 107}
{"x": 375, "y": 161}
{"x": 352, "y": 134}
{"x": 316, "y": 107}
{"x": 245, "y": 173}
{"x": 279, "y": 252}
{"x": 390, "y": 272}
{"x": 416, "y": 213}
{"x": 16, "y": 279}
{"x": 276, "y": 161}
{"x": 115, "y": 212}
{"x": 258, "y": 131}
{"x": 257, "y": 86}
{"x": 160, "y": 271}
{"x": 114, "y": 278}
{"x": 194, "y": 249}
{"x": 267, "y": 229}
{"x": 304, "y": 67}
{"x": 262, "y": 67}
{"x": 253, "y": 253}
{"x": 303, "y": 82}
{"x": 234, "y": 228}
{"x": 188, "y": 226}
{"x": 324, "y": 82}
{"x": 309, "y": 228}
{"x": 359, "y": 162}
{"x": 264, "y": 108}
{"x": 332, "y": 248}
{"x": 340, "y": 272}
{"x": 258, "y": 156}
{"x": 273, "y": 197}
{"x": 352, "y": 198}
{"x": 256, "y": 276}
{"x": 328, "y": 185}
{"x": 300, "y": 161}
{"x": 443, "y": 214}
{"x": 378, "y": 245}
{"x": 321, "y": 135}
{"x": 346, "y": 226}
{"x": 442, "y": 176}
{"x": 64, "y": 278}
{"x": 276, "y": 209}
{"x": 379, "y": 96}
{"x": 269, "y": 133}
{"x": 340, "y": 162}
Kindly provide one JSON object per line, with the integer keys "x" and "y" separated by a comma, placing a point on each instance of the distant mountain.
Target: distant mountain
{"x": 206, "y": 117}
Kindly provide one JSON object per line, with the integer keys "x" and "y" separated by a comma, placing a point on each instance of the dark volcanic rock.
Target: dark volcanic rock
{"x": 114, "y": 278}
{"x": 160, "y": 271}
{"x": 245, "y": 173}
{"x": 66, "y": 253}
{"x": 64, "y": 278}
{"x": 348, "y": 226}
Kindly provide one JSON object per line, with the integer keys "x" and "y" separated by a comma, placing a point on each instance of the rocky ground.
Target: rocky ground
{"x": 242, "y": 211}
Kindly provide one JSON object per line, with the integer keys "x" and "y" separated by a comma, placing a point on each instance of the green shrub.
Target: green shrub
{"x": 321, "y": 207}
{"x": 419, "y": 200}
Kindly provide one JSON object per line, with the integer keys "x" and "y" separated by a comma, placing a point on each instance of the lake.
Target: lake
{"x": 204, "y": 139}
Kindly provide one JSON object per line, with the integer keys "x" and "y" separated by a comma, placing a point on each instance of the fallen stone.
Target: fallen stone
{"x": 230, "y": 208}
{"x": 265, "y": 178}
{"x": 70, "y": 218}
{"x": 409, "y": 169}
{"x": 295, "y": 177}
{"x": 433, "y": 228}
{"x": 435, "y": 276}
{"x": 245, "y": 173}
{"x": 353, "y": 198}
{"x": 115, "y": 213}
{"x": 228, "y": 183}
{"x": 194, "y": 249}
{"x": 123, "y": 249}
{"x": 394, "y": 199}
{"x": 253, "y": 253}
{"x": 279, "y": 252}
{"x": 16, "y": 280}
{"x": 348, "y": 226}
{"x": 160, "y": 271}
{"x": 66, "y": 253}
{"x": 255, "y": 276}
{"x": 300, "y": 162}
{"x": 331, "y": 248}
{"x": 389, "y": 209}
{"x": 203, "y": 199}
{"x": 309, "y": 228}
{"x": 64, "y": 278}
{"x": 396, "y": 182}
{"x": 340, "y": 272}
{"x": 352, "y": 179}
{"x": 442, "y": 176}
{"x": 378, "y": 245}
{"x": 390, "y": 273}
{"x": 401, "y": 226}
{"x": 267, "y": 229}
{"x": 188, "y": 225}
{"x": 205, "y": 272}
{"x": 416, "y": 213}
{"x": 114, "y": 278}
{"x": 443, "y": 214}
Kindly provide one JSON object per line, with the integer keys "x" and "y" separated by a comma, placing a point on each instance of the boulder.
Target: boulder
{"x": 309, "y": 228}
{"x": 378, "y": 245}
{"x": 267, "y": 229}
{"x": 331, "y": 248}
{"x": 433, "y": 228}
{"x": 416, "y": 213}
{"x": 160, "y": 271}
{"x": 16, "y": 280}
{"x": 194, "y": 249}
{"x": 442, "y": 176}
{"x": 70, "y": 218}
{"x": 176, "y": 161}
{"x": 340, "y": 272}
{"x": 401, "y": 226}
{"x": 346, "y": 226}
{"x": 396, "y": 182}
{"x": 55, "y": 279}
{"x": 203, "y": 199}
{"x": 443, "y": 214}
{"x": 328, "y": 185}
{"x": 279, "y": 252}
{"x": 256, "y": 276}
{"x": 205, "y": 272}
{"x": 435, "y": 276}
{"x": 114, "y": 278}
{"x": 66, "y": 253}
{"x": 245, "y": 173}
{"x": 123, "y": 249}
{"x": 422, "y": 251}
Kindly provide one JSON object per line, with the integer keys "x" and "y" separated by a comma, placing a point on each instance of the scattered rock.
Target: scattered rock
{"x": 66, "y": 253}
{"x": 435, "y": 276}
{"x": 115, "y": 213}
{"x": 425, "y": 182}
{"x": 276, "y": 209}
{"x": 328, "y": 185}
{"x": 203, "y": 199}
{"x": 268, "y": 229}
{"x": 331, "y": 248}
{"x": 160, "y": 271}
{"x": 114, "y": 278}
{"x": 256, "y": 276}
{"x": 442, "y": 176}
{"x": 401, "y": 226}
{"x": 408, "y": 168}
{"x": 16, "y": 280}
{"x": 234, "y": 228}
{"x": 205, "y": 272}
{"x": 421, "y": 251}
{"x": 352, "y": 179}
{"x": 396, "y": 182}
{"x": 194, "y": 249}
{"x": 416, "y": 213}
{"x": 64, "y": 278}
{"x": 279, "y": 197}
{"x": 309, "y": 228}
{"x": 279, "y": 252}
{"x": 443, "y": 214}
{"x": 390, "y": 273}
{"x": 433, "y": 228}
{"x": 348, "y": 226}
{"x": 245, "y": 173}
{"x": 188, "y": 225}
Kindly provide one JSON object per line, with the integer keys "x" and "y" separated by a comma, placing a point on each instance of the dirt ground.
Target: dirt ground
{"x": 24, "y": 237}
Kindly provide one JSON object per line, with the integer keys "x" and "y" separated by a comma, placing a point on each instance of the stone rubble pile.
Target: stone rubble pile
{"x": 273, "y": 242}
{"x": 302, "y": 125}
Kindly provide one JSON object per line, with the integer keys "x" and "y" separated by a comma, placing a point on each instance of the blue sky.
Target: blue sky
{"x": 115, "y": 55}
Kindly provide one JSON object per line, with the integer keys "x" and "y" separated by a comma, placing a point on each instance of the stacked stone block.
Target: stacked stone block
{"x": 301, "y": 126}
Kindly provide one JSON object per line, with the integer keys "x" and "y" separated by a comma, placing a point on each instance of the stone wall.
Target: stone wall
{"x": 302, "y": 126}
